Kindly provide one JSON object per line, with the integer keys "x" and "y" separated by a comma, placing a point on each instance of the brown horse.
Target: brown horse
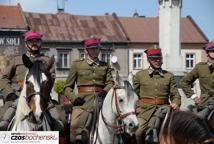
{"x": 211, "y": 120}
{"x": 184, "y": 127}
{"x": 34, "y": 97}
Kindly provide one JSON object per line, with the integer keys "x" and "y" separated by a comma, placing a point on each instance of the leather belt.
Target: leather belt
{"x": 89, "y": 89}
{"x": 160, "y": 101}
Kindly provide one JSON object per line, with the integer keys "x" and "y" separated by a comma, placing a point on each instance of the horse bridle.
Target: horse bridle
{"x": 120, "y": 116}
{"x": 32, "y": 94}
{"x": 31, "y": 117}
{"x": 118, "y": 128}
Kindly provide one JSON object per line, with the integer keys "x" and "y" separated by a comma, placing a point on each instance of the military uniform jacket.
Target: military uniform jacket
{"x": 14, "y": 74}
{"x": 206, "y": 79}
{"x": 155, "y": 86}
{"x": 84, "y": 75}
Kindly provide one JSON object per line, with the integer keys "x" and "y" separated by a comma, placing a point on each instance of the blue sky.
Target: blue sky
{"x": 202, "y": 11}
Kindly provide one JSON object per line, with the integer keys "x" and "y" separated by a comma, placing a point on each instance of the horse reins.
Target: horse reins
{"x": 27, "y": 99}
{"x": 118, "y": 128}
{"x": 32, "y": 94}
{"x": 120, "y": 116}
{"x": 208, "y": 141}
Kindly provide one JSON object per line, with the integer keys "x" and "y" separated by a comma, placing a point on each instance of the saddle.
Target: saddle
{"x": 152, "y": 134}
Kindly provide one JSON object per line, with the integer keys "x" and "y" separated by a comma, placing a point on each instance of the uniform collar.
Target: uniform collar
{"x": 153, "y": 71}
{"x": 32, "y": 55}
{"x": 91, "y": 62}
{"x": 210, "y": 62}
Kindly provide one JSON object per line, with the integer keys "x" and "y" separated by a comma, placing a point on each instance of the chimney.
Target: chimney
{"x": 60, "y": 5}
{"x": 135, "y": 14}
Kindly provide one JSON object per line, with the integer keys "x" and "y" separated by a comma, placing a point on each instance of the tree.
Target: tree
{"x": 59, "y": 87}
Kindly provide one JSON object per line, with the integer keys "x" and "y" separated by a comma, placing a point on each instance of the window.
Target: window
{"x": 137, "y": 61}
{"x": 82, "y": 54}
{"x": 63, "y": 59}
{"x": 190, "y": 60}
{"x": 106, "y": 57}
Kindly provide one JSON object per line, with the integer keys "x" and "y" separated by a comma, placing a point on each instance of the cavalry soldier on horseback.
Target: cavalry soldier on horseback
{"x": 13, "y": 76}
{"x": 93, "y": 78}
{"x": 204, "y": 72}
{"x": 156, "y": 89}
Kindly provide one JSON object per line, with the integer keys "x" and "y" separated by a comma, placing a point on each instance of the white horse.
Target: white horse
{"x": 33, "y": 100}
{"x": 117, "y": 115}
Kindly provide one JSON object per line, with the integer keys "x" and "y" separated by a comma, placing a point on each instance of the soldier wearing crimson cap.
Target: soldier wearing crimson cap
{"x": 93, "y": 79}
{"x": 203, "y": 71}
{"x": 156, "y": 89}
{"x": 13, "y": 76}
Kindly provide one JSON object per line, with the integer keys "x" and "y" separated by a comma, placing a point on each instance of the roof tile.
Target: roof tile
{"x": 63, "y": 26}
{"x": 11, "y": 17}
{"x": 146, "y": 30}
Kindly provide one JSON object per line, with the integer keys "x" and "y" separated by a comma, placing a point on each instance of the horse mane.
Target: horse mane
{"x": 189, "y": 127}
{"x": 129, "y": 88}
{"x": 22, "y": 107}
{"x": 36, "y": 70}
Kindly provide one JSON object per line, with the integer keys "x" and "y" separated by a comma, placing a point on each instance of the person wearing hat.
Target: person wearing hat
{"x": 93, "y": 78}
{"x": 156, "y": 89}
{"x": 13, "y": 76}
{"x": 203, "y": 71}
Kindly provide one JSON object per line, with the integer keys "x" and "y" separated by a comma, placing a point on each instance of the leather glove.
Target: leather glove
{"x": 78, "y": 101}
{"x": 102, "y": 94}
{"x": 11, "y": 97}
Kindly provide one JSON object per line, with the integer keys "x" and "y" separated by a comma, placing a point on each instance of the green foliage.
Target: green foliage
{"x": 59, "y": 86}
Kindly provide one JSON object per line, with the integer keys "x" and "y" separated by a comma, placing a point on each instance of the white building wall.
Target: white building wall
{"x": 132, "y": 51}
{"x": 197, "y": 52}
{"x": 169, "y": 35}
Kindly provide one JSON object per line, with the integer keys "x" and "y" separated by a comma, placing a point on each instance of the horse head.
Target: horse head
{"x": 211, "y": 119}
{"x": 38, "y": 84}
{"x": 185, "y": 127}
{"x": 123, "y": 103}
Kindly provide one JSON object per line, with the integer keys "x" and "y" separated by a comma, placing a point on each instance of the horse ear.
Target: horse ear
{"x": 26, "y": 61}
{"x": 50, "y": 63}
{"x": 118, "y": 79}
{"x": 130, "y": 78}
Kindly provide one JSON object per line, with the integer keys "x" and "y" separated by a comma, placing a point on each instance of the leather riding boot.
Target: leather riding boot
{"x": 73, "y": 136}
{"x": 82, "y": 138}
{"x": 9, "y": 114}
{"x": 58, "y": 125}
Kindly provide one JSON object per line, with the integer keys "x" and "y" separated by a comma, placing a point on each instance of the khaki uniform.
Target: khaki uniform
{"x": 14, "y": 74}
{"x": 12, "y": 81}
{"x": 153, "y": 87}
{"x": 86, "y": 75}
{"x": 205, "y": 74}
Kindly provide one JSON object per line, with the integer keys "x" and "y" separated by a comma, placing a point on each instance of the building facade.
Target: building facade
{"x": 123, "y": 37}
{"x": 12, "y": 26}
